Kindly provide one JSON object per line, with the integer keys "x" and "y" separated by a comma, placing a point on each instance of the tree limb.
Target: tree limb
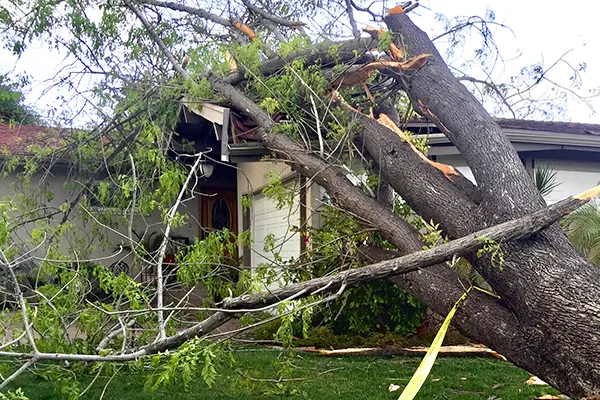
{"x": 354, "y": 51}
{"x": 353, "y": 25}
{"x": 163, "y": 246}
{"x": 272, "y": 17}
{"x": 512, "y": 230}
{"x": 156, "y": 38}
{"x": 190, "y": 10}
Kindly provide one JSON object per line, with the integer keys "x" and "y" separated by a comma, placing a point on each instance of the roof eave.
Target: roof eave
{"x": 526, "y": 136}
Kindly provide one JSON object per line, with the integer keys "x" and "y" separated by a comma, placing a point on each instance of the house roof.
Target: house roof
{"x": 551, "y": 126}
{"x": 525, "y": 135}
{"x": 523, "y": 124}
{"x": 18, "y": 139}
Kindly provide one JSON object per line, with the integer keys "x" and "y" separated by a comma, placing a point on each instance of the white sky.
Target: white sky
{"x": 541, "y": 31}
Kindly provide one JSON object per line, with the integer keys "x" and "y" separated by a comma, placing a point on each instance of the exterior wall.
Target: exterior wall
{"x": 264, "y": 215}
{"x": 314, "y": 200}
{"x": 252, "y": 176}
{"x": 574, "y": 176}
{"x": 11, "y": 189}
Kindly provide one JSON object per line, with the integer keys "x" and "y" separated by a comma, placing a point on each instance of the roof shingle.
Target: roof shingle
{"x": 18, "y": 139}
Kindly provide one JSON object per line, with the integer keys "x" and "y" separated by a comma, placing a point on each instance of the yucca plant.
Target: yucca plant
{"x": 545, "y": 180}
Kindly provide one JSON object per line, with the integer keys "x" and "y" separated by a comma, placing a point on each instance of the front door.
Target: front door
{"x": 218, "y": 210}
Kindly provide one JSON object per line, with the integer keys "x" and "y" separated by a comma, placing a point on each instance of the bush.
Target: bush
{"x": 379, "y": 306}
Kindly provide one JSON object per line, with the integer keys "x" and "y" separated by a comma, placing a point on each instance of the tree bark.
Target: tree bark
{"x": 553, "y": 291}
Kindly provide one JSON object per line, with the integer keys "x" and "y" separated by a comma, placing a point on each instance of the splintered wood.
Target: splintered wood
{"x": 447, "y": 170}
{"x": 588, "y": 194}
{"x": 355, "y": 76}
{"x": 396, "y": 53}
{"x": 245, "y": 29}
{"x": 396, "y": 10}
{"x": 384, "y": 120}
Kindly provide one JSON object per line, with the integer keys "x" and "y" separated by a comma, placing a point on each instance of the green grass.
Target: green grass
{"x": 318, "y": 377}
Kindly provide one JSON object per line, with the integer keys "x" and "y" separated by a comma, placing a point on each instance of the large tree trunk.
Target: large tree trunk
{"x": 548, "y": 317}
{"x": 516, "y": 332}
{"x": 552, "y": 290}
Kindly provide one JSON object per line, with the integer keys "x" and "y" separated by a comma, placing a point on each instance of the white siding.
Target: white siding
{"x": 574, "y": 176}
{"x": 267, "y": 219}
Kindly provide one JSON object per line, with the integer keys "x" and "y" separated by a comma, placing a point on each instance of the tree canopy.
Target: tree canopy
{"x": 12, "y": 102}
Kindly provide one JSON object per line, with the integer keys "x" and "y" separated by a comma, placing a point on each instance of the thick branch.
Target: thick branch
{"x": 512, "y": 230}
{"x": 347, "y": 51}
{"x": 350, "y": 12}
{"x": 505, "y": 232}
{"x": 426, "y": 189}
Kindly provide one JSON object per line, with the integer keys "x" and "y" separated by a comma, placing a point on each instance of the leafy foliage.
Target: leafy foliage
{"x": 195, "y": 357}
{"x": 16, "y": 395}
{"x": 493, "y": 250}
{"x": 212, "y": 262}
{"x": 374, "y": 307}
{"x": 12, "y": 102}
{"x": 377, "y": 307}
{"x": 545, "y": 180}
{"x": 583, "y": 228}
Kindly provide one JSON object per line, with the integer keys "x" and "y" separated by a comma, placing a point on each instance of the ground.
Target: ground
{"x": 319, "y": 377}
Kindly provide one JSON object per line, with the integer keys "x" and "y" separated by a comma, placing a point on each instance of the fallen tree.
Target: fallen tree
{"x": 544, "y": 285}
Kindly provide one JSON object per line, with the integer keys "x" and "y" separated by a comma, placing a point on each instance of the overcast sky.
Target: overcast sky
{"x": 539, "y": 31}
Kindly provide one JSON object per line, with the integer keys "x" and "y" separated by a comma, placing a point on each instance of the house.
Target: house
{"x": 216, "y": 202}
{"x": 572, "y": 150}
{"x": 237, "y": 168}
{"x": 243, "y": 168}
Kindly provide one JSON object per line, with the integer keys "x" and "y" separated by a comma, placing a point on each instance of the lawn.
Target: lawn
{"x": 312, "y": 376}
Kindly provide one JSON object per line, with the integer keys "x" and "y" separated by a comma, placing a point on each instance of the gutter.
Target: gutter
{"x": 523, "y": 136}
